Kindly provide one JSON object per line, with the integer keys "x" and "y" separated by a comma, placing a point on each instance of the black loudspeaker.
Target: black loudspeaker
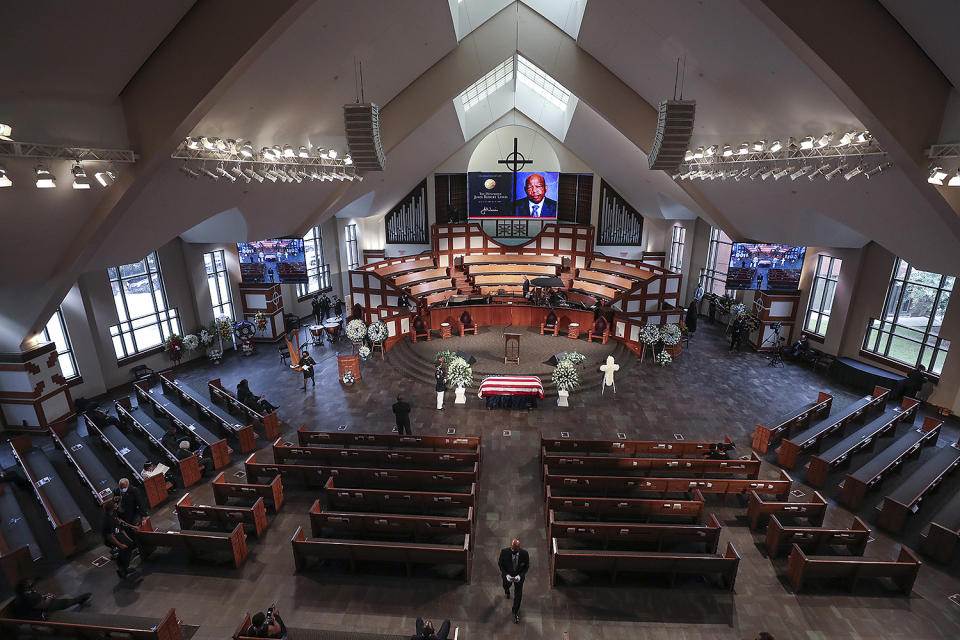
{"x": 674, "y": 128}
{"x": 362, "y": 124}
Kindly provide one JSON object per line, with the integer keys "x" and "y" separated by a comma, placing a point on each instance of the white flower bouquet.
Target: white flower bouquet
{"x": 356, "y": 330}
{"x": 205, "y": 337}
{"x": 364, "y": 351}
{"x": 377, "y": 332}
{"x": 565, "y": 375}
{"x": 738, "y": 309}
{"x": 574, "y": 357}
{"x": 670, "y": 334}
{"x": 663, "y": 358}
{"x": 650, "y": 334}
{"x": 348, "y": 377}
{"x": 459, "y": 373}
{"x": 191, "y": 342}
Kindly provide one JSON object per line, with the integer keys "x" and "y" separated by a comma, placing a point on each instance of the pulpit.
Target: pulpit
{"x": 511, "y": 348}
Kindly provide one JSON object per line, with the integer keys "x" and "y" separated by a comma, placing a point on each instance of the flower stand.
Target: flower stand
{"x": 563, "y": 398}
{"x": 378, "y": 346}
{"x": 214, "y": 355}
{"x": 461, "y": 396}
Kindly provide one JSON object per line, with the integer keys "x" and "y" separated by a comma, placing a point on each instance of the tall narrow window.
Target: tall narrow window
{"x": 909, "y": 331}
{"x": 56, "y": 332}
{"x": 676, "y": 248}
{"x": 145, "y": 318}
{"x": 713, "y": 277}
{"x": 353, "y": 248}
{"x": 317, "y": 271}
{"x": 219, "y": 282}
{"x": 821, "y": 295}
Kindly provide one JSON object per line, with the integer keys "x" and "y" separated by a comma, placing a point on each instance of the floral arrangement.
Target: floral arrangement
{"x": 565, "y": 375}
{"x": 738, "y": 309}
{"x": 224, "y": 326}
{"x": 364, "y": 351}
{"x": 445, "y": 355}
{"x": 459, "y": 373}
{"x": 347, "y": 377}
{"x": 356, "y": 331}
{"x": 670, "y": 334}
{"x": 214, "y": 354}
{"x": 191, "y": 342}
{"x": 650, "y": 334}
{"x": 174, "y": 346}
{"x": 663, "y": 358}
{"x": 260, "y": 321}
{"x": 377, "y": 332}
{"x": 574, "y": 357}
{"x": 205, "y": 337}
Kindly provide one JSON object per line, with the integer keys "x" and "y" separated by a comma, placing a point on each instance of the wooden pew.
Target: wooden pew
{"x": 810, "y": 438}
{"x": 272, "y": 493}
{"x": 147, "y": 427}
{"x": 636, "y": 533}
{"x": 409, "y": 458}
{"x": 62, "y": 511}
{"x": 903, "y": 571}
{"x": 383, "y": 524}
{"x": 628, "y": 509}
{"x": 623, "y": 486}
{"x": 443, "y": 296}
{"x": 596, "y": 290}
{"x": 615, "y": 562}
{"x": 608, "y": 279}
{"x": 781, "y": 426}
{"x": 314, "y": 633}
{"x": 814, "y": 511}
{"x": 502, "y": 258}
{"x": 417, "y": 277}
{"x": 195, "y": 398}
{"x": 529, "y": 270}
{"x": 387, "y": 440}
{"x": 88, "y": 625}
{"x": 270, "y": 421}
{"x": 156, "y": 487}
{"x": 856, "y": 484}
{"x": 196, "y": 543}
{"x": 85, "y": 462}
{"x": 500, "y": 280}
{"x": 404, "y": 267}
{"x": 408, "y": 553}
{"x": 810, "y": 539}
{"x": 697, "y": 467}
{"x": 939, "y": 540}
{"x": 184, "y": 422}
{"x": 345, "y": 498}
{"x": 637, "y": 273}
{"x": 505, "y": 290}
{"x": 19, "y": 550}
{"x": 226, "y": 517}
{"x": 897, "y": 506}
{"x": 628, "y": 448}
{"x": 434, "y": 286}
{"x": 313, "y": 475}
{"x": 862, "y": 439}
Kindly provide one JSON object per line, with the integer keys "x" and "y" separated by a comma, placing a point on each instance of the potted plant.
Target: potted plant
{"x": 670, "y": 336}
{"x": 565, "y": 377}
{"x": 459, "y": 375}
{"x": 174, "y": 348}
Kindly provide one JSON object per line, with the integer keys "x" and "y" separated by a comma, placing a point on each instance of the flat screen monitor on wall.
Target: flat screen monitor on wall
{"x": 765, "y": 266}
{"x": 526, "y": 195}
{"x": 279, "y": 260}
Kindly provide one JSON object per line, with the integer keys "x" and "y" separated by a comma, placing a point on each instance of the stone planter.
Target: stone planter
{"x": 563, "y": 398}
{"x": 461, "y": 396}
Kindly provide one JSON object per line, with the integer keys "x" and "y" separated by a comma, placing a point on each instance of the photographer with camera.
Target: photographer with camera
{"x": 267, "y": 626}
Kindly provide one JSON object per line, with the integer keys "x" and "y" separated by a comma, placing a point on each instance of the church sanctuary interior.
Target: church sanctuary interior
{"x": 463, "y": 319}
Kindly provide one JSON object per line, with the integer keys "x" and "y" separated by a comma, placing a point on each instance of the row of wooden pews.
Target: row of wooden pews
{"x": 203, "y": 405}
{"x": 387, "y": 498}
{"x": 268, "y": 422}
{"x": 607, "y": 514}
{"x": 146, "y": 425}
{"x": 89, "y": 624}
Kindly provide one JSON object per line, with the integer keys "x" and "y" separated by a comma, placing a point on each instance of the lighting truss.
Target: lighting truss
{"x": 939, "y": 173}
{"x": 13, "y": 149}
{"x": 941, "y": 151}
{"x": 232, "y": 159}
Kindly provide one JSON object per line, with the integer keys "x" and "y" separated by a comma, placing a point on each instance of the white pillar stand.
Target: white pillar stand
{"x": 461, "y": 396}
{"x": 562, "y": 398}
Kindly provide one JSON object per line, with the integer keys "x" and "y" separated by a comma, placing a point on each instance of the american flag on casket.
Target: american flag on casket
{"x": 511, "y": 386}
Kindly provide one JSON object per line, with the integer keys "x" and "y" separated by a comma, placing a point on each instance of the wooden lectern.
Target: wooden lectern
{"x": 511, "y": 348}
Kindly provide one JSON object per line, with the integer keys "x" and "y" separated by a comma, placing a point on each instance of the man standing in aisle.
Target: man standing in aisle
{"x": 401, "y": 410}
{"x": 513, "y": 564}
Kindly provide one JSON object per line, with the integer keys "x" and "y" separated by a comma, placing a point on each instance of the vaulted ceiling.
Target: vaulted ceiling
{"x": 118, "y": 74}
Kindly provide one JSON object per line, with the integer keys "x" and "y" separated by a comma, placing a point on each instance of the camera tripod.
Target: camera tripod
{"x": 776, "y": 360}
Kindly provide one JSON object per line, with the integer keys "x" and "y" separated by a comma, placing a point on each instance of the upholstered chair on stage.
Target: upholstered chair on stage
{"x": 600, "y": 331}
{"x": 550, "y": 324}
{"x": 419, "y": 329}
{"x": 466, "y": 324}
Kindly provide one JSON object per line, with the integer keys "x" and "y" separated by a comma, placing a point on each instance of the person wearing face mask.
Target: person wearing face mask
{"x": 129, "y": 506}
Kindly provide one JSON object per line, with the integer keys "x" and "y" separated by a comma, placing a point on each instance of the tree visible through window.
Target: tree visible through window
{"x": 909, "y": 331}
{"x": 821, "y": 295}
{"x": 219, "y": 283}
{"x": 145, "y": 319}
{"x": 56, "y": 332}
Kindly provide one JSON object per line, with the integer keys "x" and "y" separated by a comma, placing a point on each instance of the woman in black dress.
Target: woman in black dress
{"x": 307, "y": 364}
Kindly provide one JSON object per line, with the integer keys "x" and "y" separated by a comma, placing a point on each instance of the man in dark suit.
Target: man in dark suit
{"x": 536, "y": 204}
{"x": 401, "y": 410}
{"x": 513, "y": 564}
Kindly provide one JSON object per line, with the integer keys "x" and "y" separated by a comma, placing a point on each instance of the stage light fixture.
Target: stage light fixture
{"x": 727, "y": 151}
{"x": 806, "y": 143}
{"x": 675, "y": 175}
{"x": 954, "y": 181}
{"x": 847, "y": 138}
{"x": 45, "y": 179}
{"x": 246, "y": 150}
{"x": 333, "y": 154}
{"x": 192, "y": 143}
{"x": 208, "y": 143}
{"x": 833, "y": 172}
{"x": 237, "y": 171}
{"x": 688, "y": 155}
{"x": 269, "y": 175}
{"x": 220, "y": 144}
{"x": 756, "y": 174}
{"x": 304, "y": 152}
{"x": 209, "y": 174}
{"x": 767, "y": 173}
{"x": 187, "y": 171}
{"x": 5, "y": 180}
{"x": 853, "y": 173}
{"x": 792, "y": 144}
{"x": 821, "y": 169}
{"x": 80, "y": 179}
{"x": 698, "y": 153}
{"x": 775, "y": 146}
{"x": 883, "y": 166}
{"x": 288, "y": 151}
{"x": 825, "y": 139}
{"x": 937, "y": 174}
{"x": 802, "y": 171}
{"x": 5, "y": 132}
{"x": 759, "y": 145}
{"x": 744, "y": 149}
{"x": 783, "y": 172}
{"x": 864, "y": 137}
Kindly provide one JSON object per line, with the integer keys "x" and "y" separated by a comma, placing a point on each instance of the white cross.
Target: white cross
{"x": 608, "y": 370}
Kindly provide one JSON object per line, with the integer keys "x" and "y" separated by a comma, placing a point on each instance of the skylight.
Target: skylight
{"x": 475, "y": 93}
{"x": 542, "y": 84}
